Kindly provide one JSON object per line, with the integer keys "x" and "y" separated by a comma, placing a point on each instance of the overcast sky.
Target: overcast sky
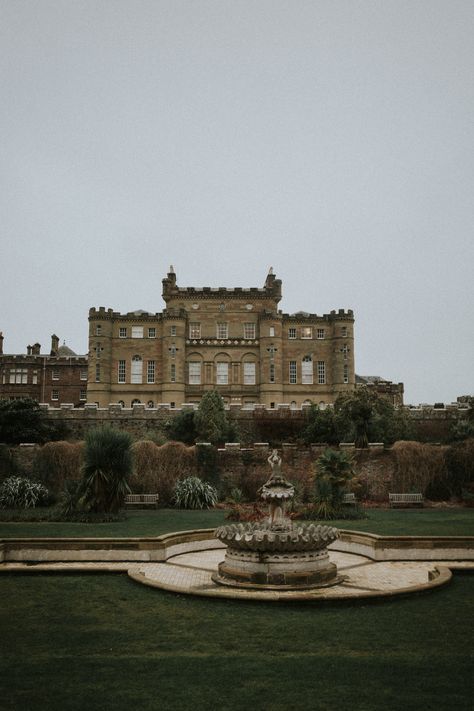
{"x": 330, "y": 140}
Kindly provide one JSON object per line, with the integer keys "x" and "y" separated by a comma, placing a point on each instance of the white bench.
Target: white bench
{"x": 141, "y": 500}
{"x": 405, "y": 499}
{"x": 349, "y": 499}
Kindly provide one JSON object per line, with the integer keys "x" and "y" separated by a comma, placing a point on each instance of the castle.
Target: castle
{"x": 235, "y": 340}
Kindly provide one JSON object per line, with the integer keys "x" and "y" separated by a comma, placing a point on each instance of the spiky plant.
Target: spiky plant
{"x": 18, "y": 492}
{"x": 193, "y": 493}
{"x": 106, "y": 469}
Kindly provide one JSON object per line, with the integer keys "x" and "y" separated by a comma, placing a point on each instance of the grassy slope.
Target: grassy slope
{"x": 450, "y": 522}
{"x": 104, "y": 642}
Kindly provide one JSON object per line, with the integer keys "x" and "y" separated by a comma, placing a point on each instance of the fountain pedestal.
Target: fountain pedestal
{"x": 276, "y": 554}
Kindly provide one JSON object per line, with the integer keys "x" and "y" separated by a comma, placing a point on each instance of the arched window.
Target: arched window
{"x": 121, "y": 403}
{"x": 150, "y": 403}
{"x": 136, "y": 401}
{"x": 137, "y": 370}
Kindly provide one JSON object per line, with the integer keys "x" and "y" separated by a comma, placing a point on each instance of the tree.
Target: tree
{"x": 321, "y": 426}
{"x": 20, "y": 421}
{"x": 182, "y": 427}
{"x": 210, "y": 419}
{"x": 334, "y": 469}
{"x": 365, "y": 416}
{"x": 106, "y": 469}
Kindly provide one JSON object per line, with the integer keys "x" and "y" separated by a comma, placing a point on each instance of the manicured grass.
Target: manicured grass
{"x": 104, "y": 642}
{"x": 409, "y": 522}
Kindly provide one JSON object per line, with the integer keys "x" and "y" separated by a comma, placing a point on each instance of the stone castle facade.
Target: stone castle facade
{"x": 235, "y": 340}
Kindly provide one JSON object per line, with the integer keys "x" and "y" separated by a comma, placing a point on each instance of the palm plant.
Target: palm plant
{"x": 106, "y": 469}
{"x": 333, "y": 471}
{"x": 193, "y": 493}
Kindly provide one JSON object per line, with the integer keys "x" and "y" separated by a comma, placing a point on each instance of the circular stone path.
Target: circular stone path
{"x": 191, "y": 573}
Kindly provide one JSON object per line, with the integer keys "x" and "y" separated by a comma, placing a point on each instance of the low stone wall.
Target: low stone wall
{"x": 255, "y": 423}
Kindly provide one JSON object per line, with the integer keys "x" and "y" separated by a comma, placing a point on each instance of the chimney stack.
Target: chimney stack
{"x": 36, "y": 349}
{"x": 54, "y": 345}
{"x": 1, "y": 342}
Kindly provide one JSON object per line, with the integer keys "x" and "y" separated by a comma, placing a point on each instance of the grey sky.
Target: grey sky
{"x": 330, "y": 140}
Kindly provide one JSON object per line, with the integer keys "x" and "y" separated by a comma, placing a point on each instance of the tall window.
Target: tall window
{"x": 271, "y": 332}
{"x": 173, "y": 372}
{"x": 137, "y": 331}
{"x": 54, "y": 394}
{"x": 222, "y": 330}
{"x": 97, "y": 373}
{"x": 307, "y": 371}
{"x": 292, "y": 332}
{"x": 320, "y": 333}
{"x": 172, "y": 330}
{"x": 122, "y": 332}
{"x": 55, "y": 375}
{"x": 152, "y": 332}
{"x": 83, "y": 374}
{"x": 150, "y": 371}
{"x": 321, "y": 372}
{"x": 97, "y": 350}
{"x": 83, "y": 394}
{"x": 137, "y": 370}
{"x": 35, "y": 377}
{"x": 222, "y": 373}
{"x": 293, "y": 371}
{"x": 306, "y": 332}
{"x": 194, "y": 373}
{"x": 344, "y": 331}
{"x": 249, "y": 330}
{"x": 272, "y": 373}
{"x": 121, "y": 371}
{"x": 249, "y": 373}
{"x": 345, "y": 350}
{"x": 346, "y": 374}
{"x": 98, "y": 330}
{"x": 194, "y": 330}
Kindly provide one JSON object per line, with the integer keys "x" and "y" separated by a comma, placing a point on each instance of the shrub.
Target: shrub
{"x": 210, "y": 419}
{"x": 21, "y": 493}
{"x": 460, "y": 466}
{"x": 420, "y": 467}
{"x": 107, "y": 467}
{"x": 182, "y": 427}
{"x": 193, "y": 493}
{"x": 57, "y": 462}
{"x": 157, "y": 469}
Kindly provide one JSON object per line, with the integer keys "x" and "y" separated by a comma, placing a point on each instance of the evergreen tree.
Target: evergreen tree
{"x": 210, "y": 419}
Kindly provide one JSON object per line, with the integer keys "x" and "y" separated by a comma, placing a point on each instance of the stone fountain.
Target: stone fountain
{"x": 276, "y": 553}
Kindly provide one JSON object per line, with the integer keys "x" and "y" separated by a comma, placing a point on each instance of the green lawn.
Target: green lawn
{"x": 104, "y": 642}
{"x": 409, "y": 522}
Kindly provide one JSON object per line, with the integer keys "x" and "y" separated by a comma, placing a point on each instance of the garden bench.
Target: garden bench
{"x": 140, "y": 500}
{"x": 405, "y": 499}
{"x": 349, "y": 499}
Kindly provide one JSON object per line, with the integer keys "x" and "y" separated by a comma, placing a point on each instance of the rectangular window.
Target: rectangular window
{"x": 150, "y": 371}
{"x": 272, "y": 373}
{"x": 320, "y": 333}
{"x": 152, "y": 332}
{"x": 249, "y": 373}
{"x": 345, "y": 351}
{"x": 306, "y": 332}
{"x": 321, "y": 372}
{"x": 346, "y": 374}
{"x": 136, "y": 374}
{"x": 195, "y": 373}
{"x": 97, "y": 373}
{"x": 272, "y": 331}
{"x": 137, "y": 331}
{"x": 83, "y": 374}
{"x": 222, "y": 373}
{"x": 344, "y": 331}
{"x": 292, "y": 332}
{"x": 83, "y": 394}
{"x": 35, "y": 377}
{"x": 55, "y": 374}
{"x": 307, "y": 371}
{"x": 18, "y": 376}
{"x": 173, "y": 372}
{"x": 172, "y": 330}
{"x": 293, "y": 372}
{"x": 54, "y": 394}
{"x": 222, "y": 330}
{"x": 122, "y": 332}
{"x": 194, "y": 330}
{"x": 98, "y": 330}
{"x": 172, "y": 351}
{"x": 97, "y": 350}
{"x": 249, "y": 330}
{"x": 122, "y": 370}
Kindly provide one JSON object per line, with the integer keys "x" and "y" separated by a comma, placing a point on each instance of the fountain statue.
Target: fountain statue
{"x": 276, "y": 553}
